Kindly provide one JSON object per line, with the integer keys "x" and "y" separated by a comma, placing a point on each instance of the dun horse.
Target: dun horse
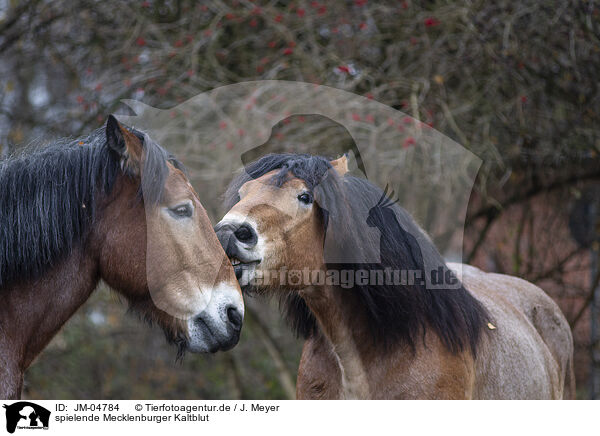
{"x": 481, "y": 337}
{"x": 113, "y": 206}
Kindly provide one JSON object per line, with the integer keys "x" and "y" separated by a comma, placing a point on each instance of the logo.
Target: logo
{"x": 26, "y": 415}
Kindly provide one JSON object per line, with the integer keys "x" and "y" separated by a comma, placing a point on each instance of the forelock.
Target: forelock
{"x": 310, "y": 169}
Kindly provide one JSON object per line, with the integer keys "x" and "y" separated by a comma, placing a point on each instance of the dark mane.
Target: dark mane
{"x": 395, "y": 313}
{"x": 49, "y": 193}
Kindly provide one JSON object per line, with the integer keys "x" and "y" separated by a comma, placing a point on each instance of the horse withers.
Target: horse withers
{"x": 112, "y": 206}
{"x": 301, "y": 227}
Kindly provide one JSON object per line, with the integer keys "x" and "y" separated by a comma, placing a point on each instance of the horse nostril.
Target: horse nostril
{"x": 235, "y": 317}
{"x": 245, "y": 234}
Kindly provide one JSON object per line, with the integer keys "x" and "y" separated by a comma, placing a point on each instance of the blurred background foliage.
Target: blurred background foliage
{"x": 516, "y": 82}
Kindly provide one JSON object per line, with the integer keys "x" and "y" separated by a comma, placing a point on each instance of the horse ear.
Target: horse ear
{"x": 125, "y": 144}
{"x": 340, "y": 165}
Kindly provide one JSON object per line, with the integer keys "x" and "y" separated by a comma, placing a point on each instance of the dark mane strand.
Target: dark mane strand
{"x": 49, "y": 194}
{"x": 386, "y": 199}
{"x": 298, "y": 316}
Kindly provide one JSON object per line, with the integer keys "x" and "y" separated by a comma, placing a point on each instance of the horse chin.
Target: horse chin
{"x": 251, "y": 290}
{"x": 204, "y": 337}
{"x": 182, "y": 347}
{"x": 178, "y": 338}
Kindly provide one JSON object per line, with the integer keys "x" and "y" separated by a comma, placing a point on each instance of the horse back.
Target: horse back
{"x": 529, "y": 353}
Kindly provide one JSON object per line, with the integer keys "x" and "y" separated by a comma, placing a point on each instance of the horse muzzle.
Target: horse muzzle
{"x": 241, "y": 244}
{"x": 218, "y": 327}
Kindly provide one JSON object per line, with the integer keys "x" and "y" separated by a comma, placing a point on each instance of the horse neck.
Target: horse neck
{"x": 344, "y": 326}
{"x": 33, "y": 311}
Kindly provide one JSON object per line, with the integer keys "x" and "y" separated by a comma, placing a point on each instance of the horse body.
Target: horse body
{"x": 527, "y": 356}
{"x": 485, "y": 336}
{"x": 530, "y": 353}
{"x": 113, "y": 206}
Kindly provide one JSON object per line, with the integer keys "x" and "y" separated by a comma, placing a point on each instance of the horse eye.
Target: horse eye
{"x": 305, "y": 198}
{"x": 182, "y": 211}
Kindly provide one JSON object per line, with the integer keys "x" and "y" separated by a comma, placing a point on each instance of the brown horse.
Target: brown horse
{"x": 112, "y": 206}
{"x": 383, "y": 315}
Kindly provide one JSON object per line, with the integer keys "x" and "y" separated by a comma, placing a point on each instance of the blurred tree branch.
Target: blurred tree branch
{"x": 283, "y": 374}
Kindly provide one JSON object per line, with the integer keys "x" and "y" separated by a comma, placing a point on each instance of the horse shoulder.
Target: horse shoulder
{"x": 431, "y": 372}
{"x": 529, "y": 353}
